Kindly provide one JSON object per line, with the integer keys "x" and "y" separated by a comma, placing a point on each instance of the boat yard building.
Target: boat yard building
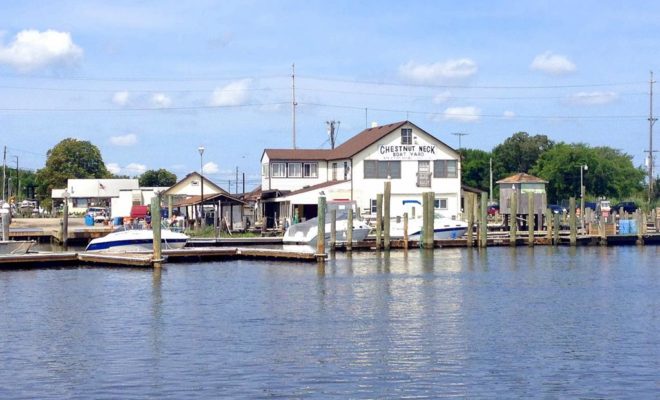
{"x": 413, "y": 160}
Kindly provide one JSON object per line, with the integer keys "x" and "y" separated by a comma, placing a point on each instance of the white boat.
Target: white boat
{"x": 8, "y": 247}
{"x": 136, "y": 240}
{"x": 307, "y": 232}
{"x": 443, "y": 227}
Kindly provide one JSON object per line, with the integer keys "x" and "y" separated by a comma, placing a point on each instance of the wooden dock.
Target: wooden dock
{"x": 145, "y": 259}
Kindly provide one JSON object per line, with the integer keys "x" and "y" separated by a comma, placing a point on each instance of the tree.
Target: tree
{"x": 70, "y": 159}
{"x": 161, "y": 177}
{"x": 611, "y": 173}
{"x": 475, "y": 168}
{"x": 519, "y": 153}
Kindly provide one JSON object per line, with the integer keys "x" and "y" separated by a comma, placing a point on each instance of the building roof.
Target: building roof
{"x": 521, "y": 177}
{"x": 101, "y": 188}
{"x": 346, "y": 150}
{"x": 181, "y": 187}
{"x": 315, "y": 187}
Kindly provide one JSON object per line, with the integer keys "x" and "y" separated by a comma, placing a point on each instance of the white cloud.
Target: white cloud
{"x": 120, "y": 98}
{"x": 210, "y": 168}
{"x": 508, "y": 114}
{"x": 553, "y": 64}
{"x": 450, "y": 70}
{"x": 124, "y": 140}
{"x": 161, "y": 100}
{"x": 32, "y": 50}
{"x": 114, "y": 168}
{"x": 134, "y": 169}
{"x": 233, "y": 94}
{"x": 462, "y": 114}
{"x": 593, "y": 98}
{"x": 442, "y": 97}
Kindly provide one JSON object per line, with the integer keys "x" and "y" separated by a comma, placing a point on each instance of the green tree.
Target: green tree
{"x": 610, "y": 173}
{"x": 519, "y": 153}
{"x": 475, "y": 168}
{"x": 70, "y": 159}
{"x": 161, "y": 177}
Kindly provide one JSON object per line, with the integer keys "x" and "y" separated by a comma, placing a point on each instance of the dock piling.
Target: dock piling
{"x": 349, "y": 231}
{"x": 572, "y": 221}
{"x": 530, "y": 219}
{"x": 405, "y": 231}
{"x": 386, "y": 214}
{"x": 333, "y": 230}
{"x": 155, "y": 228}
{"x": 470, "y": 218}
{"x": 556, "y": 227}
{"x": 513, "y": 230}
{"x": 65, "y": 224}
{"x": 483, "y": 225}
{"x": 320, "y": 237}
{"x": 5, "y": 226}
{"x": 379, "y": 220}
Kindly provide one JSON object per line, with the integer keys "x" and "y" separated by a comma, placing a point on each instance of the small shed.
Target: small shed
{"x": 522, "y": 184}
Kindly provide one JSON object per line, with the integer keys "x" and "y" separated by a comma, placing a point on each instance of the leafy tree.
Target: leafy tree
{"x": 475, "y": 168}
{"x": 519, "y": 153}
{"x": 70, "y": 159}
{"x": 161, "y": 177}
{"x": 610, "y": 173}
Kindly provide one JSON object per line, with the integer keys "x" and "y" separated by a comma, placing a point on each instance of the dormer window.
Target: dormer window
{"x": 406, "y": 136}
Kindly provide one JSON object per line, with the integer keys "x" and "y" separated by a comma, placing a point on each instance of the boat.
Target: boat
{"x": 137, "y": 240}
{"x": 307, "y": 232}
{"x": 443, "y": 227}
{"x": 10, "y": 247}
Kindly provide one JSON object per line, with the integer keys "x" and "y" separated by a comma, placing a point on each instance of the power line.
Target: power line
{"x": 126, "y": 109}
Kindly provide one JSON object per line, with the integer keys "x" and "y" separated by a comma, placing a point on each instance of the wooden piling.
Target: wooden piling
{"x": 333, "y": 230}
{"x": 5, "y": 226}
{"x": 169, "y": 206}
{"x": 429, "y": 241}
{"x": 386, "y": 214}
{"x": 641, "y": 224}
{"x": 65, "y": 225}
{"x": 320, "y": 237}
{"x": 349, "y": 231}
{"x": 548, "y": 223}
{"x": 572, "y": 221}
{"x": 379, "y": 220}
{"x": 469, "y": 199}
{"x": 513, "y": 230}
{"x": 156, "y": 258}
{"x": 483, "y": 225}
{"x": 405, "y": 231}
{"x": 530, "y": 219}
{"x": 556, "y": 225}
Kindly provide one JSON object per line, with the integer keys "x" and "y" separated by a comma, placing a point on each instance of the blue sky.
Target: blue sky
{"x": 149, "y": 82}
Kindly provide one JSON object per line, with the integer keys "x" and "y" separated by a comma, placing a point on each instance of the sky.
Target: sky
{"x": 149, "y": 82}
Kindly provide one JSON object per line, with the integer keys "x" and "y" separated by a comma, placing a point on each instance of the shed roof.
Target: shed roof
{"x": 522, "y": 177}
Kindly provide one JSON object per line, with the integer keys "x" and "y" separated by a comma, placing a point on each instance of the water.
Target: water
{"x": 542, "y": 322}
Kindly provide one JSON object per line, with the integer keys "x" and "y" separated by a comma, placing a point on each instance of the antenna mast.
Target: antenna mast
{"x": 651, "y": 122}
{"x": 293, "y": 101}
{"x": 333, "y": 129}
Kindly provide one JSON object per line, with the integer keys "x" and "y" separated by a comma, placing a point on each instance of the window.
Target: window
{"x": 445, "y": 169}
{"x": 310, "y": 170}
{"x": 374, "y": 206}
{"x": 278, "y": 170}
{"x": 264, "y": 170}
{"x": 295, "y": 170}
{"x": 441, "y": 204}
{"x": 382, "y": 169}
{"x": 406, "y": 136}
{"x": 334, "y": 171}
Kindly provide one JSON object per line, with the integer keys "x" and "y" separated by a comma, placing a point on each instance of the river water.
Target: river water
{"x": 543, "y": 322}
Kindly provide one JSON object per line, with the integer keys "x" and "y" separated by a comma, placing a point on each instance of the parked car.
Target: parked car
{"x": 591, "y": 205}
{"x": 493, "y": 209}
{"x": 100, "y": 214}
{"x": 556, "y": 209}
{"x": 628, "y": 206}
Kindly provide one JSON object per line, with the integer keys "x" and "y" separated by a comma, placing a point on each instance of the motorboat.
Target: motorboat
{"x": 10, "y": 247}
{"x": 443, "y": 227}
{"x": 137, "y": 240}
{"x": 307, "y": 232}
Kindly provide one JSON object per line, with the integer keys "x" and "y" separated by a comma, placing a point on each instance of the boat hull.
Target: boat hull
{"x": 138, "y": 240}
{"x": 360, "y": 233}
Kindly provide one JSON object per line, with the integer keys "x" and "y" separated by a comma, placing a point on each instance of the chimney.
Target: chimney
{"x": 374, "y": 124}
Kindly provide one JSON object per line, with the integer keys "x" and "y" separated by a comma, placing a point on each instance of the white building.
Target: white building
{"x": 412, "y": 159}
{"x": 85, "y": 193}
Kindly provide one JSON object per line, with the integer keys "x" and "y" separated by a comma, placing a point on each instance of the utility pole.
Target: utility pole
{"x": 332, "y": 132}
{"x": 490, "y": 187}
{"x": 18, "y": 182}
{"x": 243, "y": 183}
{"x": 651, "y": 122}
{"x": 236, "y": 192}
{"x": 293, "y": 101}
{"x": 4, "y": 174}
{"x": 460, "y": 135}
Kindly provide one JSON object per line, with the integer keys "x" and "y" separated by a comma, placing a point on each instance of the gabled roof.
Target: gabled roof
{"x": 347, "y": 149}
{"x": 522, "y": 177}
{"x": 195, "y": 175}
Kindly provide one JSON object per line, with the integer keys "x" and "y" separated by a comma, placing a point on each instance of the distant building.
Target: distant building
{"x": 413, "y": 160}
{"x": 522, "y": 184}
{"x": 85, "y": 193}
